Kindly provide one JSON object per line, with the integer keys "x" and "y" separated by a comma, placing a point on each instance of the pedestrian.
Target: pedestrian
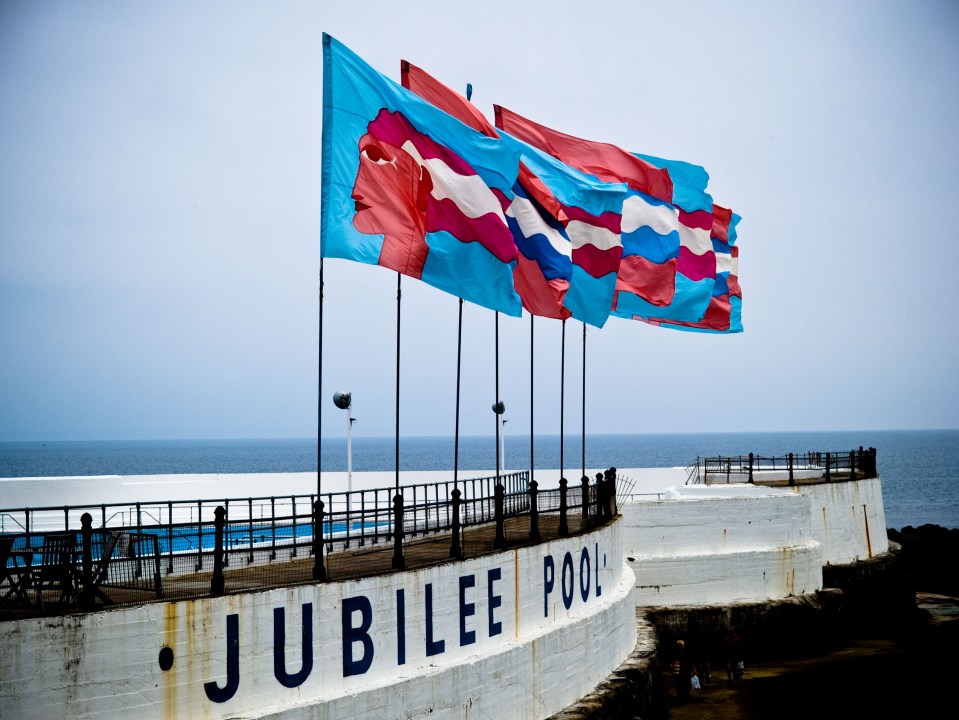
{"x": 734, "y": 657}
{"x": 682, "y": 668}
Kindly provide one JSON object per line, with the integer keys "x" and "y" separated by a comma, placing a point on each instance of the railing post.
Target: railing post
{"x": 86, "y": 572}
{"x": 500, "y": 540}
{"x": 828, "y": 463}
{"x": 852, "y": 464}
{"x": 600, "y": 499}
{"x": 456, "y": 548}
{"x": 319, "y": 566}
{"x": 398, "y": 562}
{"x": 611, "y": 493}
{"x": 563, "y": 525}
{"x": 585, "y": 483}
{"x": 750, "y": 468}
{"x": 216, "y": 582}
{"x": 792, "y": 480}
{"x": 533, "y": 512}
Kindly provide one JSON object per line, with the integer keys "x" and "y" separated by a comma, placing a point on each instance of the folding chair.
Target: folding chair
{"x": 56, "y": 568}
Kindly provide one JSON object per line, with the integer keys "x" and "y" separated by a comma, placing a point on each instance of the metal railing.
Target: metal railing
{"x": 127, "y": 553}
{"x": 792, "y": 468}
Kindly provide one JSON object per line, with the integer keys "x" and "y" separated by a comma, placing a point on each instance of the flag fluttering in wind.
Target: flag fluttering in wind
{"x": 591, "y": 212}
{"x": 544, "y": 266}
{"x": 668, "y": 265}
{"x": 409, "y": 187}
{"x": 517, "y": 215}
{"x": 724, "y": 313}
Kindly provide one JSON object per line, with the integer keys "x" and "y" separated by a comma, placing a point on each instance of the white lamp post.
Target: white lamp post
{"x": 344, "y": 402}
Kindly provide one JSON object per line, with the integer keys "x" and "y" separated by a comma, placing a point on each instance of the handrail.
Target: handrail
{"x": 200, "y": 549}
{"x": 812, "y": 466}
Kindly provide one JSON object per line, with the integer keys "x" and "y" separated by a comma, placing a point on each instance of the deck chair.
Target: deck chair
{"x": 102, "y": 569}
{"x": 56, "y": 568}
{"x": 8, "y": 578}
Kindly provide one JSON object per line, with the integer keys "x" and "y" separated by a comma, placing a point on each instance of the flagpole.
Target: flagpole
{"x": 496, "y": 407}
{"x": 319, "y": 398}
{"x": 584, "y": 401}
{"x": 319, "y": 569}
{"x": 396, "y": 457}
{"x": 532, "y": 456}
{"x": 456, "y": 439}
{"x": 562, "y": 393}
{"x": 398, "y": 561}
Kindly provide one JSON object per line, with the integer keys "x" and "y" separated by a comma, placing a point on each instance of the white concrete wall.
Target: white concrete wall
{"x": 713, "y": 545}
{"x": 718, "y": 545}
{"x": 520, "y": 634}
{"x": 848, "y": 520}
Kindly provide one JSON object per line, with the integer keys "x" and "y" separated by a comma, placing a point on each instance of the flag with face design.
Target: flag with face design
{"x": 544, "y": 264}
{"x": 408, "y": 187}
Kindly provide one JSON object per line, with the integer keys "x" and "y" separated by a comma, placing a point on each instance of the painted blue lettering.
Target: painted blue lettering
{"x": 584, "y": 579}
{"x": 401, "y": 627}
{"x": 567, "y": 573}
{"x": 599, "y": 588}
{"x": 279, "y": 647}
{"x": 221, "y": 694}
{"x": 432, "y": 647}
{"x": 549, "y": 578}
{"x": 467, "y": 637}
{"x": 495, "y": 628}
{"x": 360, "y": 634}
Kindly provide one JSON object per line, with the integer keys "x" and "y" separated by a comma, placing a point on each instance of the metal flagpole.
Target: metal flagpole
{"x": 584, "y": 401}
{"x": 562, "y": 394}
{"x": 319, "y": 401}
{"x": 398, "y": 562}
{"x": 497, "y": 407}
{"x": 456, "y": 439}
{"x": 319, "y": 568}
{"x": 532, "y": 456}
{"x": 396, "y": 460}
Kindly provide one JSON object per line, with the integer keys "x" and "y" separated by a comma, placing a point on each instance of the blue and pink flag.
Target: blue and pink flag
{"x": 409, "y": 187}
{"x": 591, "y": 212}
{"x": 542, "y": 274}
{"x": 668, "y": 264}
{"x": 724, "y": 313}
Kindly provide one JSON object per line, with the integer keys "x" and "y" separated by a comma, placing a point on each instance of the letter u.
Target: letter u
{"x": 279, "y": 647}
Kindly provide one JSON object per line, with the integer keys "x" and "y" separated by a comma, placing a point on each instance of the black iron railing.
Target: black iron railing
{"x": 791, "y": 468}
{"x": 127, "y": 553}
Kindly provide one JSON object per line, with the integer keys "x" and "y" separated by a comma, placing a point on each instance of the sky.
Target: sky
{"x": 160, "y": 215}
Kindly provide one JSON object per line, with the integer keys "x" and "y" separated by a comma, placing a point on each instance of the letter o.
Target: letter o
{"x": 584, "y": 575}
{"x": 568, "y": 572}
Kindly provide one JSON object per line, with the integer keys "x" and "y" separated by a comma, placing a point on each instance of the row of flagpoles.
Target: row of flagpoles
{"x": 515, "y": 216}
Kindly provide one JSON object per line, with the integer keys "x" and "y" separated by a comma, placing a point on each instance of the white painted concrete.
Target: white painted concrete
{"x": 703, "y": 545}
{"x": 520, "y": 634}
{"x": 720, "y": 544}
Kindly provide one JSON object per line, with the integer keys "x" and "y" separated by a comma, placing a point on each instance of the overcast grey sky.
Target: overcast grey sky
{"x": 160, "y": 213}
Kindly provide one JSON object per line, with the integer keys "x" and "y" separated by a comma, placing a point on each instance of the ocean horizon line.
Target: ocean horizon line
{"x": 338, "y": 437}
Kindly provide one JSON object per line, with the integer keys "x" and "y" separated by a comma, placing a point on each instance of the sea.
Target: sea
{"x": 919, "y": 468}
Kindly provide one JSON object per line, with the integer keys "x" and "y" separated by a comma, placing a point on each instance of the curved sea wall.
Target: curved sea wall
{"x": 716, "y": 545}
{"x": 849, "y": 520}
{"x": 522, "y": 633}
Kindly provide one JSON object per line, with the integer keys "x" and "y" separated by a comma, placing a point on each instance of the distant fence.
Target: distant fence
{"x": 790, "y": 469}
{"x": 77, "y": 558}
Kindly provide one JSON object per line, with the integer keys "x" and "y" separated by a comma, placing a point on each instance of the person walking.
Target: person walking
{"x": 682, "y": 668}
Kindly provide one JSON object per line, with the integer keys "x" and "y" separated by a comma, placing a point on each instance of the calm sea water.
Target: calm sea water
{"x": 919, "y": 468}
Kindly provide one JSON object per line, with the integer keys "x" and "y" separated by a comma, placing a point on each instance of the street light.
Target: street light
{"x": 499, "y": 408}
{"x": 343, "y": 400}
{"x": 502, "y": 437}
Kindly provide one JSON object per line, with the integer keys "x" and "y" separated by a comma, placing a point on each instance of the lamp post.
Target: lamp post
{"x": 503, "y": 422}
{"x": 344, "y": 402}
{"x": 499, "y": 407}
